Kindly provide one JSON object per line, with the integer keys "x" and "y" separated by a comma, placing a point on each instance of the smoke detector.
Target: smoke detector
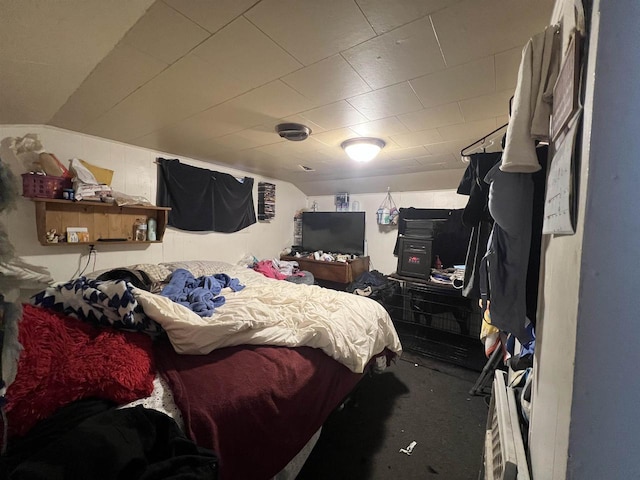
{"x": 296, "y": 132}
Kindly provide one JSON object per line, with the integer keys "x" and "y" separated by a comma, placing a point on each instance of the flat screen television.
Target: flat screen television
{"x": 335, "y": 232}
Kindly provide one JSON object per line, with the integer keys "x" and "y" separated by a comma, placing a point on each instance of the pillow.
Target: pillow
{"x": 65, "y": 359}
{"x": 156, "y": 273}
{"x": 199, "y": 268}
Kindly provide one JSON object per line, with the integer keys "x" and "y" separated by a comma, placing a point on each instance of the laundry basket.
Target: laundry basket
{"x": 43, "y": 186}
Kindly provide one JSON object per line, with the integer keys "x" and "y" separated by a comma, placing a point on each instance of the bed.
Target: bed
{"x": 246, "y": 369}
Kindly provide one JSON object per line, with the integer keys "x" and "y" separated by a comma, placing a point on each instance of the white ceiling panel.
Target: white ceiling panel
{"x": 467, "y": 130}
{"x": 310, "y": 30}
{"x": 387, "y": 101}
{"x": 335, "y": 115}
{"x": 457, "y": 83}
{"x": 106, "y": 86}
{"x": 185, "y": 88}
{"x": 211, "y": 80}
{"x": 465, "y": 29}
{"x": 45, "y": 54}
{"x": 149, "y": 35}
{"x": 248, "y": 53}
{"x": 416, "y": 139}
{"x": 402, "y": 54}
{"x": 486, "y": 106}
{"x": 447, "y": 114}
{"x": 385, "y": 15}
{"x": 380, "y": 128}
{"x": 507, "y": 65}
{"x": 327, "y": 81}
{"x": 211, "y": 15}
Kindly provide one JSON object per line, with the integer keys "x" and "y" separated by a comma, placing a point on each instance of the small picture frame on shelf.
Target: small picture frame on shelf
{"x": 77, "y": 234}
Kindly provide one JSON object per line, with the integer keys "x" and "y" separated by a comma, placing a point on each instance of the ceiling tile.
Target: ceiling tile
{"x": 245, "y": 52}
{"x": 385, "y": 15}
{"x": 486, "y": 106}
{"x": 334, "y": 138}
{"x": 387, "y": 101}
{"x": 402, "y": 54}
{"x": 48, "y": 48}
{"x": 311, "y": 31}
{"x": 211, "y": 15}
{"x": 382, "y": 127}
{"x": 457, "y": 83}
{"x": 250, "y": 138}
{"x": 149, "y": 34}
{"x": 453, "y": 146}
{"x": 507, "y": 66}
{"x": 416, "y": 139}
{"x": 327, "y": 81}
{"x": 106, "y": 86}
{"x": 335, "y": 115}
{"x": 403, "y": 153}
{"x": 187, "y": 87}
{"x": 443, "y": 159}
{"x": 427, "y": 118}
{"x": 217, "y": 121}
{"x": 475, "y": 129}
{"x": 465, "y": 29}
{"x": 275, "y": 100}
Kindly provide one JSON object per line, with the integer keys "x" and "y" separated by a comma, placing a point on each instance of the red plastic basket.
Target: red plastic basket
{"x": 43, "y": 186}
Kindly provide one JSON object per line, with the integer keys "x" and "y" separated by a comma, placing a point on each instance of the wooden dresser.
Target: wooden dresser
{"x": 332, "y": 274}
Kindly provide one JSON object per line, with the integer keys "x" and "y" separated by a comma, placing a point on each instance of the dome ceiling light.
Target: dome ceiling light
{"x": 362, "y": 149}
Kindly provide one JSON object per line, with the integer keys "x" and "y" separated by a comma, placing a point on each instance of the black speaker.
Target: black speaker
{"x": 414, "y": 257}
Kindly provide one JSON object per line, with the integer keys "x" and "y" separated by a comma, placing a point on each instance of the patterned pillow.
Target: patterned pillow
{"x": 199, "y": 268}
{"x": 65, "y": 359}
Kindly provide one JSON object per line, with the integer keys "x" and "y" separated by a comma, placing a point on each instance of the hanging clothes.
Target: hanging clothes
{"x": 533, "y": 101}
{"x": 476, "y": 216}
{"x": 507, "y": 257}
{"x": 512, "y": 262}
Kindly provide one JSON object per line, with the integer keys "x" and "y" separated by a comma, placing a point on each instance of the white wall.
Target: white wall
{"x": 585, "y": 419}
{"x": 381, "y": 239}
{"x": 135, "y": 173}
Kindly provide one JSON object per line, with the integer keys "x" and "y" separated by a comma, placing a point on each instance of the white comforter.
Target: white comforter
{"x": 347, "y": 327}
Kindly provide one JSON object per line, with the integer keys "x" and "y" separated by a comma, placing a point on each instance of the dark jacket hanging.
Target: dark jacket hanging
{"x": 476, "y": 216}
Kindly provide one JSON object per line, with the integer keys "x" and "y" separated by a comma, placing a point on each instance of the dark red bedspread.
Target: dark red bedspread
{"x": 255, "y": 406}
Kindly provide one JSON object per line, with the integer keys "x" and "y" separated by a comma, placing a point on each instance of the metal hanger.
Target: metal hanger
{"x": 483, "y": 141}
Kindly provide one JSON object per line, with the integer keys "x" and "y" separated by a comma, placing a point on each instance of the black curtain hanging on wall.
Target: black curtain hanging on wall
{"x": 234, "y": 203}
{"x": 204, "y": 200}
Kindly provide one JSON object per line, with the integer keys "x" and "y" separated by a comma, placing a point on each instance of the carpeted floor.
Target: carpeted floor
{"x": 416, "y": 399}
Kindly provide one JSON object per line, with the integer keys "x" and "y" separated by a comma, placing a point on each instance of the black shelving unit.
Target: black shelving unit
{"x": 437, "y": 321}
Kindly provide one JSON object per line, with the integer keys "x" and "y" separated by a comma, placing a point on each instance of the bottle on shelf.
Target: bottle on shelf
{"x": 140, "y": 230}
{"x": 152, "y": 229}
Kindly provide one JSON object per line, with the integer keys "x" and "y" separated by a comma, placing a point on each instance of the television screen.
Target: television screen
{"x": 335, "y": 232}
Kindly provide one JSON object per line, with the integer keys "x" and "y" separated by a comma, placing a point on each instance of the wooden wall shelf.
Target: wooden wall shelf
{"x": 102, "y": 220}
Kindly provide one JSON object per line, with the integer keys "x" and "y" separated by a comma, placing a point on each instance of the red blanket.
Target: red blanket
{"x": 255, "y": 406}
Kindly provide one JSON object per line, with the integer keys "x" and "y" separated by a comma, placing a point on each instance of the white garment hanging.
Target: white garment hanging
{"x": 532, "y": 102}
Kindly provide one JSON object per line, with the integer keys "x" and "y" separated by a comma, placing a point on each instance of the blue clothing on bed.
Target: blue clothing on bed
{"x": 202, "y": 294}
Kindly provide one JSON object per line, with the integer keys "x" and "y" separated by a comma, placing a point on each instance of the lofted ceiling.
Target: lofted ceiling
{"x": 211, "y": 79}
